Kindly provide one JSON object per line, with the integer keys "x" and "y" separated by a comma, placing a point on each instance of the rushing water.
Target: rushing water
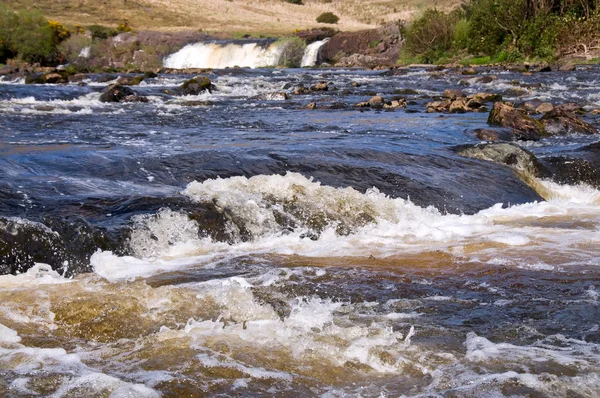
{"x": 227, "y": 244}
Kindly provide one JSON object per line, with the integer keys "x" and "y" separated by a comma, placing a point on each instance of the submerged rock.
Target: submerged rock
{"x": 494, "y": 134}
{"x": 321, "y": 86}
{"x": 197, "y": 85}
{"x": 561, "y": 122}
{"x": 523, "y": 127}
{"x": 116, "y": 93}
{"x": 130, "y": 80}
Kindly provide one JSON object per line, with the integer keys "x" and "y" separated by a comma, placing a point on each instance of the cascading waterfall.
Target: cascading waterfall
{"x": 311, "y": 54}
{"x": 216, "y": 56}
{"x": 227, "y": 55}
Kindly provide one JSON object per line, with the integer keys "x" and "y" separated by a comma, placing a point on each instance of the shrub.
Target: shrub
{"x": 28, "y": 35}
{"x": 328, "y": 17}
{"x": 430, "y": 36}
{"x": 292, "y": 50}
{"x": 101, "y": 32}
{"x": 124, "y": 26}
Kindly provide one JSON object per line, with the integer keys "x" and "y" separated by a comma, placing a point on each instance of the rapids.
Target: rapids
{"x": 234, "y": 244}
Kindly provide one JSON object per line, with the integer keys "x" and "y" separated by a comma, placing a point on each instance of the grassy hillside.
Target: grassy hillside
{"x": 232, "y": 16}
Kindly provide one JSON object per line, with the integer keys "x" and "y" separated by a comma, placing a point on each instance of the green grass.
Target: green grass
{"x": 476, "y": 60}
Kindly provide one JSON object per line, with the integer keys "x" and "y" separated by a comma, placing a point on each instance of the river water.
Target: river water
{"x": 232, "y": 244}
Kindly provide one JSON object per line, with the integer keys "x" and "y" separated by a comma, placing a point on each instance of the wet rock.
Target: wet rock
{"x": 311, "y": 105}
{"x": 571, "y": 170}
{"x": 55, "y": 78}
{"x": 494, "y": 134}
{"x": 300, "y": 90}
{"x": 520, "y": 160}
{"x": 469, "y": 71}
{"x": 396, "y": 103}
{"x": 459, "y": 106}
{"x": 453, "y": 94}
{"x": 487, "y": 79}
{"x": 134, "y": 98}
{"x": 561, "y": 122}
{"x": 355, "y": 84}
{"x": 475, "y": 104}
{"x": 130, "y": 80}
{"x": 438, "y": 106}
{"x": 572, "y": 107}
{"x": 321, "y": 86}
{"x": 485, "y": 97}
{"x": 77, "y": 78}
{"x": 363, "y": 104}
{"x": 150, "y": 75}
{"x": 524, "y": 127}
{"x": 115, "y": 93}
{"x": 376, "y": 101}
{"x": 197, "y": 85}
{"x": 595, "y": 112}
{"x": 34, "y": 78}
{"x": 567, "y": 67}
{"x": 6, "y": 70}
{"x": 106, "y": 78}
{"x": 274, "y": 96}
{"x": 544, "y": 107}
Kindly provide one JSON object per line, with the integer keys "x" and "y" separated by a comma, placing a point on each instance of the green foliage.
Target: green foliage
{"x": 431, "y": 36}
{"x": 101, "y": 32}
{"x": 71, "y": 47}
{"x": 27, "y": 35}
{"x": 461, "y": 33}
{"x": 328, "y": 17}
{"x": 123, "y": 26}
{"x": 292, "y": 50}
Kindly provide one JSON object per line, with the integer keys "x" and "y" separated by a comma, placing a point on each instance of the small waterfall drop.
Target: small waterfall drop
{"x": 311, "y": 53}
{"x": 217, "y": 56}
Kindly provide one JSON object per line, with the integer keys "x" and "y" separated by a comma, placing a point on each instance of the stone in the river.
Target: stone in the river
{"x": 376, "y": 101}
{"x": 487, "y": 79}
{"x": 524, "y": 127}
{"x": 274, "y": 96}
{"x": 567, "y": 67}
{"x": 54, "y": 78}
{"x": 77, "y": 78}
{"x": 485, "y": 97}
{"x": 494, "y": 134}
{"x": 115, "y": 93}
{"x": 571, "y": 107}
{"x": 311, "y": 105}
{"x": 134, "y": 98}
{"x": 321, "y": 86}
{"x": 438, "y": 106}
{"x": 595, "y": 112}
{"x": 510, "y": 154}
{"x": 453, "y": 94}
{"x": 130, "y": 80}
{"x": 459, "y": 105}
{"x": 196, "y": 86}
{"x": 355, "y": 84}
{"x": 397, "y": 103}
{"x": 571, "y": 170}
{"x": 300, "y": 90}
{"x": 544, "y": 107}
{"x": 469, "y": 71}
{"x": 561, "y": 122}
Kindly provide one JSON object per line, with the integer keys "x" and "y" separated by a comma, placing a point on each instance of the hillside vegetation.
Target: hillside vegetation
{"x": 269, "y": 17}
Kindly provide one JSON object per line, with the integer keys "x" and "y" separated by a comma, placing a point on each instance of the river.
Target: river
{"x": 233, "y": 244}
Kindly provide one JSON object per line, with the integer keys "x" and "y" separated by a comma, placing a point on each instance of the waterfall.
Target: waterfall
{"x": 216, "y": 56}
{"x": 311, "y": 53}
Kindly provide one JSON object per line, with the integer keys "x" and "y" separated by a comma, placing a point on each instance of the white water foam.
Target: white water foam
{"x": 217, "y": 56}
{"x": 311, "y": 53}
{"x": 347, "y": 223}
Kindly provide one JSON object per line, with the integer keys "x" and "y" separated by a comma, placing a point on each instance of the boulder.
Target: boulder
{"x": 571, "y": 107}
{"x": 561, "y": 122}
{"x": 485, "y": 97}
{"x": 6, "y": 70}
{"x": 197, "y": 85}
{"x": 459, "y": 106}
{"x": 397, "y": 103}
{"x": 311, "y": 105}
{"x": 321, "y": 86}
{"x": 523, "y": 127}
{"x": 571, "y": 170}
{"x": 130, "y": 80}
{"x": 300, "y": 90}
{"x": 494, "y": 134}
{"x": 487, "y": 79}
{"x": 567, "y": 67}
{"x": 469, "y": 71}
{"x": 363, "y": 104}
{"x": 134, "y": 98}
{"x": 520, "y": 160}
{"x": 376, "y": 102}
{"x": 544, "y": 107}
{"x": 453, "y": 94}
{"x": 77, "y": 78}
{"x": 115, "y": 93}
{"x": 55, "y": 78}
{"x": 438, "y": 106}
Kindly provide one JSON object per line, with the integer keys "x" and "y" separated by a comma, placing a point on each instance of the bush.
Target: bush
{"x": 101, "y": 32}
{"x": 431, "y": 36}
{"x": 328, "y": 17}
{"x": 27, "y": 35}
{"x": 292, "y": 50}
